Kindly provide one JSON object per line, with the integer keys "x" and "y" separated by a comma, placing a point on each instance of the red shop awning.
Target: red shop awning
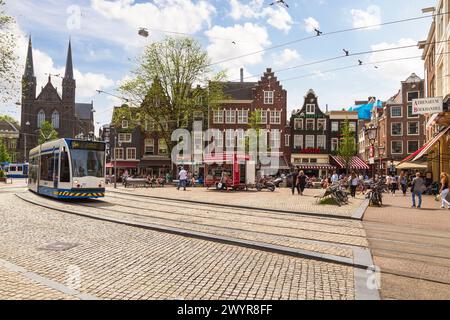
{"x": 356, "y": 163}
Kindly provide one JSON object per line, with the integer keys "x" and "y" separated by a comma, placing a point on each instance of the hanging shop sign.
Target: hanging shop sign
{"x": 427, "y": 106}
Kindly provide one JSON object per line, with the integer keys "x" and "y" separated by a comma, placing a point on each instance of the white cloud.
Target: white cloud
{"x": 249, "y": 11}
{"x": 397, "y": 70}
{"x": 311, "y": 24}
{"x": 369, "y": 17}
{"x": 248, "y": 37}
{"x": 286, "y": 57}
{"x": 87, "y": 83}
{"x": 175, "y": 15}
{"x": 278, "y": 18}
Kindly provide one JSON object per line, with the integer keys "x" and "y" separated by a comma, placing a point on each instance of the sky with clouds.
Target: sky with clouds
{"x": 105, "y": 43}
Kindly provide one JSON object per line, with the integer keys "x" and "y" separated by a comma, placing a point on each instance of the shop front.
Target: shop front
{"x": 129, "y": 168}
{"x": 157, "y": 168}
{"x": 314, "y": 165}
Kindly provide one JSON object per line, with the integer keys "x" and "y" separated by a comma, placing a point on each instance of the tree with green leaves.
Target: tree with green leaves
{"x": 347, "y": 147}
{"x": 4, "y": 153}
{"x": 164, "y": 84}
{"x": 47, "y": 132}
{"x": 10, "y": 119}
{"x": 254, "y": 123}
{"x": 8, "y": 58}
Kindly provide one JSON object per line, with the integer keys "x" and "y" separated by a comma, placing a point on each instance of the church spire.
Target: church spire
{"x": 69, "y": 63}
{"x": 29, "y": 66}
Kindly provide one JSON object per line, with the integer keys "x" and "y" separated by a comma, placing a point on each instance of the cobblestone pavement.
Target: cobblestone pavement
{"x": 281, "y": 200}
{"x": 411, "y": 247}
{"x": 122, "y": 262}
{"x": 322, "y": 235}
{"x": 15, "y": 286}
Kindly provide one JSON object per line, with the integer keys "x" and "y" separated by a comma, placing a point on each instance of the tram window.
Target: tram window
{"x": 88, "y": 163}
{"x": 65, "y": 167}
{"x": 47, "y": 167}
{"x": 12, "y": 169}
{"x": 19, "y": 168}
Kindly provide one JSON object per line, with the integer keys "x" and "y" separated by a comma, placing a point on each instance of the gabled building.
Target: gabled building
{"x": 310, "y": 137}
{"x": 400, "y": 132}
{"x": 230, "y": 120}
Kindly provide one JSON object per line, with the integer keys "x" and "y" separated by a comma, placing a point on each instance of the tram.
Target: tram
{"x": 68, "y": 169}
{"x": 16, "y": 170}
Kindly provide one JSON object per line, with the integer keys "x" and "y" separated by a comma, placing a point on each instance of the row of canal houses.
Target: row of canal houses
{"x": 307, "y": 138}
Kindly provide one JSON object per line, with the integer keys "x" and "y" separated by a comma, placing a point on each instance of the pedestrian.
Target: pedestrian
{"x": 389, "y": 183}
{"x": 417, "y": 189}
{"x": 182, "y": 177}
{"x": 354, "y": 182}
{"x": 444, "y": 190}
{"x": 334, "y": 177}
{"x": 394, "y": 184}
{"x": 295, "y": 185}
{"x": 302, "y": 181}
{"x": 403, "y": 182}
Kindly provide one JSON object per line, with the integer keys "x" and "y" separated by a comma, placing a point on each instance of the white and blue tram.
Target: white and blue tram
{"x": 68, "y": 169}
{"x": 16, "y": 170}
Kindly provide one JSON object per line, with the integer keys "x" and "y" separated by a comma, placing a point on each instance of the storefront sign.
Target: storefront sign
{"x": 427, "y": 106}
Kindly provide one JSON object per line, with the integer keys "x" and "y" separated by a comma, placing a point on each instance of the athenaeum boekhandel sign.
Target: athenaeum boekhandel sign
{"x": 427, "y": 105}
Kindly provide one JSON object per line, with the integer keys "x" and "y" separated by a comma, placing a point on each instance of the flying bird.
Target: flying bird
{"x": 233, "y": 42}
{"x": 280, "y": 2}
{"x": 360, "y": 62}
{"x": 143, "y": 32}
{"x": 346, "y": 52}
{"x": 319, "y": 33}
{"x": 376, "y": 67}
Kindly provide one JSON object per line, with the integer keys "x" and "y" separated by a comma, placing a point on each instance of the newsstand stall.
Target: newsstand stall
{"x": 229, "y": 171}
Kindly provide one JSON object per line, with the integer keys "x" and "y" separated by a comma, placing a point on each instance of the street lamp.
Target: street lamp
{"x": 25, "y": 140}
{"x": 372, "y": 132}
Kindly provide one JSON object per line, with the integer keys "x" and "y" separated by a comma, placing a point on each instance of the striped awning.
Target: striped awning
{"x": 412, "y": 156}
{"x": 317, "y": 166}
{"x": 430, "y": 144}
{"x": 356, "y": 163}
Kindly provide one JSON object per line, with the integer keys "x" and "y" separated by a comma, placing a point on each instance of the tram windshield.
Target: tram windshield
{"x": 88, "y": 163}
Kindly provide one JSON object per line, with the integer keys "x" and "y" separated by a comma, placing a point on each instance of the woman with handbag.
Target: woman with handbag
{"x": 418, "y": 187}
{"x": 444, "y": 191}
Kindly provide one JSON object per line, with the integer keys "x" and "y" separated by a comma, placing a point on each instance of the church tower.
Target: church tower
{"x": 28, "y": 79}
{"x": 68, "y": 84}
{"x": 68, "y": 94}
{"x": 29, "y": 83}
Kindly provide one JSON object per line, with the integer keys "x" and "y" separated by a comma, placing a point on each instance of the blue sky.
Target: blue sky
{"x": 105, "y": 41}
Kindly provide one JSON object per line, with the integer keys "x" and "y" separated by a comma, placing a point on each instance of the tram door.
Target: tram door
{"x": 55, "y": 168}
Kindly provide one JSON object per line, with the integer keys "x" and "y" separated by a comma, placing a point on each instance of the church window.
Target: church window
{"x": 40, "y": 118}
{"x": 55, "y": 119}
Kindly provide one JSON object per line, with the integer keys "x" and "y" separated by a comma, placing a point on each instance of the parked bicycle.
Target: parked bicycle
{"x": 375, "y": 194}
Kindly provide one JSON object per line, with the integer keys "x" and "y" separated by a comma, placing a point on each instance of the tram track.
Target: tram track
{"x": 357, "y": 262}
{"x": 248, "y": 244}
{"x": 240, "y": 207}
{"x": 271, "y": 216}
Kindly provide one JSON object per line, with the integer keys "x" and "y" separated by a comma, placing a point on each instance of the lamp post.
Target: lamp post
{"x": 25, "y": 142}
{"x": 372, "y": 135}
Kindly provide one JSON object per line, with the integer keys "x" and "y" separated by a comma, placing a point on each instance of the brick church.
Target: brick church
{"x": 70, "y": 119}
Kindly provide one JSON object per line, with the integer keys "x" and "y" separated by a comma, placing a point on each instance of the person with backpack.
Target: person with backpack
{"x": 444, "y": 190}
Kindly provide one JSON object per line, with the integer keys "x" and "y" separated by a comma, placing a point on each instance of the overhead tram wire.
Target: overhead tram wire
{"x": 343, "y": 57}
{"x": 328, "y": 34}
{"x": 193, "y": 35}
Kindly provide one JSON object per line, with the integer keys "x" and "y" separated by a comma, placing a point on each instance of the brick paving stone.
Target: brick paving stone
{"x": 122, "y": 262}
{"x": 282, "y": 199}
{"x": 289, "y": 230}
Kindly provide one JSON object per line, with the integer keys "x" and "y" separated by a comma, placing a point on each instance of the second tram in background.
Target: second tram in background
{"x": 68, "y": 169}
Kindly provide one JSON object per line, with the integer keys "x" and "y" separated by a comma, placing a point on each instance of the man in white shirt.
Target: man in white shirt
{"x": 334, "y": 178}
{"x": 182, "y": 176}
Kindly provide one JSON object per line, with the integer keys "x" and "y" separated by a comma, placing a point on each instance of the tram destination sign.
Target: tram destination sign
{"x": 427, "y": 106}
{"x": 88, "y": 145}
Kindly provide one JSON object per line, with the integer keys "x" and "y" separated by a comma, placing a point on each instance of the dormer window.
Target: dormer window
{"x": 268, "y": 97}
{"x": 124, "y": 124}
{"x": 310, "y": 109}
